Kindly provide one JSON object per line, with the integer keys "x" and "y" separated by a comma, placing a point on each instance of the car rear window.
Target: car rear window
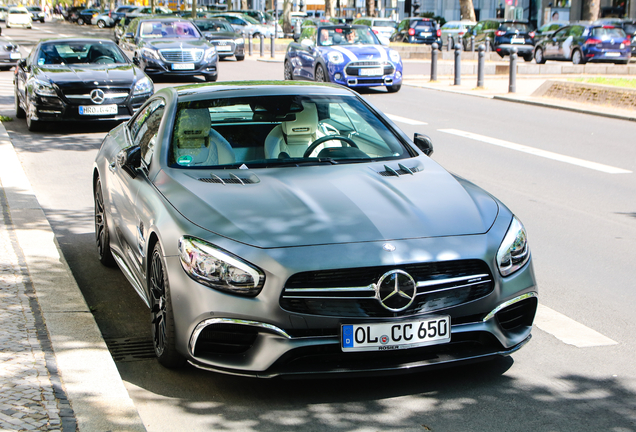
{"x": 514, "y": 26}
{"x": 384, "y": 23}
{"x": 427, "y": 24}
{"x": 607, "y": 33}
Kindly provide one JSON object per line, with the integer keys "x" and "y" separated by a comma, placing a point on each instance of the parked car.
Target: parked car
{"x": 159, "y": 10}
{"x": 260, "y": 16}
{"x": 37, "y": 14}
{"x": 629, "y": 27}
{"x": 122, "y": 24}
{"x": 72, "y": 13}
{"x": 484, "y": 32}
{"x": 110, "y": 18}
{"x": 548, "y": 29}
{"x": 169, "y": 46}
{"x": 246, "y": 24}
{"x": 78, "y": 80}
{"x": 352, "y": 56}
{"x": 384, "y": 27}
{"x": 456, "y": 30}
{"x": 418, "y": 30}
{"x": 9, "y": 54}
{"x": 220, "y": 33}
{"x": 584, "y": 42}
{"x": 18, "y": 17}
{"x": 86, "y": 16}
{"x": 294, "y": 230}
{"x": 3, "y": 13}
{"x": 515, "y": 34}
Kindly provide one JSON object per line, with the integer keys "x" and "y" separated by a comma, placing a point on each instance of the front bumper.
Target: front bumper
{"x": 352, "y": 77}
{"x": 604, "y": 55}
{"x": 160, "y": 68}
{"x": 505, "y": 49}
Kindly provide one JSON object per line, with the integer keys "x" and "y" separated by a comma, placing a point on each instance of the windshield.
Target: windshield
{"x": 65, "y": 53}
{"x": 514, "y": 26}
{"x": 346, "y": 36}
{"x": 171, "y": 29}
{"x": 250, "y": 20}
{"x": 267, "y": 131}
{"x": 213, "y": 26}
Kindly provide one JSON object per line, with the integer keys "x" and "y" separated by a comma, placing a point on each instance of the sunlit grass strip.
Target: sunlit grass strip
{"x": 616, "y": 82}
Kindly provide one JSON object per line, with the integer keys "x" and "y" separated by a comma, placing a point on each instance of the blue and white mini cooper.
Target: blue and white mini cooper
{"x": 343, "y": 54}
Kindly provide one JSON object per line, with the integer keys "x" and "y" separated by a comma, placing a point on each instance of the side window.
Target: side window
{"x": 576, "y": 31}
{"x": 145, "y": 127}
{"x": 309, "y": 33}
{"x": 562, "y": 32}
{"x": 132, "y": 27}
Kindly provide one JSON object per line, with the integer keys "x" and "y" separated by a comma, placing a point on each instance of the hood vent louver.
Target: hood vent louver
{"x": 230, "y": 178}
{"x": 402, "y": 170}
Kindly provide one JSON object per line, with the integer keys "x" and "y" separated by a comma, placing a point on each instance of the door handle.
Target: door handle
{"x": 112, "y": 166}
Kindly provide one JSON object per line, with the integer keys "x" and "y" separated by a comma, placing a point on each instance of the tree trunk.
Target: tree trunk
{"x": 287, "y": 8}
{"x": 194, "y": 9}
{"x": 590, "y": 10}
{"x": 370, "y": 8}
{"x": 244, "y": 5}
{"x": 467, "y": 10}
{"x": 329, "y": 6}
{"x": 152, "y": 6}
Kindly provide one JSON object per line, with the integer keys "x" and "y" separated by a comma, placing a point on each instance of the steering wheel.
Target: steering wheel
{"x": 330, "y": 128}
{"x": 326, "y": 138}
{"x": 103, "y": 60}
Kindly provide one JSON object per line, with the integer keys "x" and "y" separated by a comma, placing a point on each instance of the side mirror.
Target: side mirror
{"x": 307, "y": 43}
{"x": 384, "y": 40}
{"x": 22, "y": 63}
{"x": 129, "y": 159}
{"x": 423, "y": 143}
{"x": 128, "y": 35}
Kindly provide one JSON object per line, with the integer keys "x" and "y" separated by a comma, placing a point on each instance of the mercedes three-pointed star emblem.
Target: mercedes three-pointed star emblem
{"x": 396, "y": 290}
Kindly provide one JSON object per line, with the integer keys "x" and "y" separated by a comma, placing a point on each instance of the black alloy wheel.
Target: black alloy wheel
{"x": 288, "y": 71}
{"x": 102, "y": 236}
{"x": 161, "y": 314}
{"x": 320, "y": 75}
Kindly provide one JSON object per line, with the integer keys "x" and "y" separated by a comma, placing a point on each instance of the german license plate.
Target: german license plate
{"x": 371, "y": 72}
{"x": 396, "y": 335}
{"x": 612, "y": 54}
{"x": 183, "y": 66}
{"x": 223, "y": 48}
{"x": 517, "y": 40}
{"x": 425, "y": 34}
{"x": 15, "y": 55}
{"x": 98, "y": 109}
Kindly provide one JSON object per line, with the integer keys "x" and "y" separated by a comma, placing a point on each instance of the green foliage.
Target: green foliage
{"x": 5, "y": 118}
{"x": 441, "y": 20}
{"x": 617, "y": 82}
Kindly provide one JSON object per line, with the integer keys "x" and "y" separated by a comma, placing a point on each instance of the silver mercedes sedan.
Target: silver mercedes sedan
{"x": 293, "y": 230}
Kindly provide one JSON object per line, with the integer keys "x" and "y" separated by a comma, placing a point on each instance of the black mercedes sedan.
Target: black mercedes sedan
{"x": 220, "y": 33}
{"x": 78, "y": 80}
{"x": 169, "y": 47}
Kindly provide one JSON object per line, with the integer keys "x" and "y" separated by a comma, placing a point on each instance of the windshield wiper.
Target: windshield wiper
{"x": 302, "y": 162}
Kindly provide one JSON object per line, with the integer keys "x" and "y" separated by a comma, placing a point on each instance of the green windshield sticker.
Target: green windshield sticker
{"x": 184, "y": 160}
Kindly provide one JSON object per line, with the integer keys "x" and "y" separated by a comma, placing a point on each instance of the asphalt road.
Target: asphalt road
{"x": 582, "y": 226}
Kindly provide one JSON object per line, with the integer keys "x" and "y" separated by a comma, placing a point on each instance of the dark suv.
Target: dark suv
{"x": 418, "y": 30}
{"x": 515, "y": 34}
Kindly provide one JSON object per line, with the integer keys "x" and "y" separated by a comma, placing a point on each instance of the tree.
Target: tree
{"x": 329, "y": 6}
{"x": 287, "y": 6}
{"x": 590, "y": 10}
{"x": 467, "y": 10}
{"x": 194, "y": 9}
{"x": 244, "y": 5}
{"x": 370, "y": 8}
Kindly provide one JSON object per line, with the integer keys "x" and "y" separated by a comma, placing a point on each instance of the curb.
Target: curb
{"x": 92, "y": 382}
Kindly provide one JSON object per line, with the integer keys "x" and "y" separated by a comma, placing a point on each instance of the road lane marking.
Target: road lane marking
{"x": 538, "y": 152}
{"x": 399, "y": 119}
{"x": 569, "y": 331}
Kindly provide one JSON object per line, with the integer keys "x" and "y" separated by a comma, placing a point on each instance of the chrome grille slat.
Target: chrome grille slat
{"x": 191, "y": 55}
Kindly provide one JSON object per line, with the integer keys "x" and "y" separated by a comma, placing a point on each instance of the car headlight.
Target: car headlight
{"x": 394, "y": 56}
{"x": 150, "y": 53}
{"x": 623, "y": 46}
{"x": 513, "y": 252}
{"x": 335, "y": 57}
{"x": 218, "y": 269}
{"x": 143, "y": 86}
{"x": 42, "y": 88}
{"x": 209, "y": 53}
{"x": 239, "y": 41}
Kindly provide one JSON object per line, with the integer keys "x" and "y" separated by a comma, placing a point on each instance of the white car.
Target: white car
{"x": 384, "y": 27}
{"x": 18, "y": 17}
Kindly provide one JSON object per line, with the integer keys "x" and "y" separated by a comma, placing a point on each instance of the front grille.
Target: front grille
{"x": 112, "y": 95}
{"x": 353, "y": 68}
{"x": 181, "y": 55}
{"x": 225, "y": 339}
{"x": 351, "y": 292}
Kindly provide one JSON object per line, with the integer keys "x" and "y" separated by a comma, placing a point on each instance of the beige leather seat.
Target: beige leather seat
{"x": 196, "y": 143}
{"x": 292, "y": 138}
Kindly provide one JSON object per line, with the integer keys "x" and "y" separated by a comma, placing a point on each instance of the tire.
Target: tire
{"x": 528, "y": 58}
{"x": 102, "y": 235}
{"x": 19, "y": 112}
{"x": 42, "y": 21}
{"x": 33, "y": 125}
{"x": 101, "y": 24}
{"x": 288, "y": 73}
{"x": 538, "y": 56}
{"x": 577, "y": 57}
{"x": 394, "y": 88}
{"x": 161, "y": 313}
{"x": 622, "y": 62}
{"x": 8, "y": 26}
{"x": 240, "y": 57}
{"x": 80, "y": 21}
{"x": 320, "y": 75}
{"x": 210, "y": 78}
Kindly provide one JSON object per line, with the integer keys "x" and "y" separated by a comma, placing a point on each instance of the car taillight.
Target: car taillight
{"x": 461, "y": 33}
{"x": 439, "y": 32}
{"x": 593, "y": 41}
{"x": 110, "y": 15}
{"x": 500, "y": 33}
{"x": 608, "y": 27}
{"x": 628, "y": 38}
{"x": 531, "y": 34}
{"x": 411, "y": 32}
{"x": 375, "y": 31}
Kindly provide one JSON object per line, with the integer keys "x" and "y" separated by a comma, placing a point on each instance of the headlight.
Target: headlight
{"x": 239, "y": 41}
{"x": 209, "y": 53}
{"x": 43, "y": 88}
{"x": 150, "y": 53}
{"x": 513, "y": 252}
{"x": 335, "y": 57}
{"x": 143, "y": 86}
{"x": 622, "y": 46}
{"x": 219, "y": 269}
{"x": 394, "y": 56}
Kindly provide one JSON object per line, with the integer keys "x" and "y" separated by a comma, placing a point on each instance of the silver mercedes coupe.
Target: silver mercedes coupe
{"x": 285, "y": 229}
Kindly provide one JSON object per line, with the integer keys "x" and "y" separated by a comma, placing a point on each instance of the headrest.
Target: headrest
{"x": 337, "y": 38}
{"x": 306, "y": 121}
{"x": 192, "y": 124}
{"x": 146, "y": 28}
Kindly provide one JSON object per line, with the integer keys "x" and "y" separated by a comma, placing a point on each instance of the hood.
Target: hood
{"x": 360, "y": 52}
{"x": 91, "y": 75}
{"x": 164, "y": 43}
{"x": 302, "y": 206}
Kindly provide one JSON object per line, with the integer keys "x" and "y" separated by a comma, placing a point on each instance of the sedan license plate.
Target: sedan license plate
{"x": 612, "y": 54}
{"x": 371, "y": 72}
{"x": 98, "y": 109}
{"x": 517, "y": 40}
{"x": 395, "y": 336}
{"x": 15, "y": 55}
{"x": 223, "y": 48}
{"x": 425, "y": 34}
{"x": 183, "y": 66}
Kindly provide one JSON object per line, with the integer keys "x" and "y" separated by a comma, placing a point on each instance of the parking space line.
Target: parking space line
{"x": 399, "y": 119}
{"x": 569, "y": 331}
{"x": 538, "y": 152}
